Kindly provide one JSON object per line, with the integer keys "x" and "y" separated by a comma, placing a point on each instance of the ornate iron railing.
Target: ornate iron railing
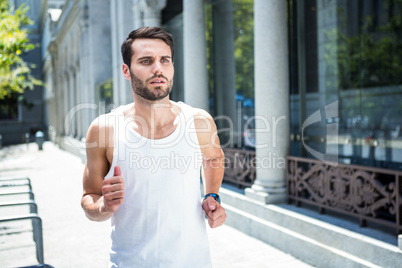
{"x": 370, "y": 194}
{"x": 239, "y": 167}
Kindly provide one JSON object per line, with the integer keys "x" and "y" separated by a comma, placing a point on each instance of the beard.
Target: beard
{"x": 143, "y": 91}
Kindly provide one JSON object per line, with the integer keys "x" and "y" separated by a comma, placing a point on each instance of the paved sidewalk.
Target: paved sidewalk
{"x": 71, "y": 240}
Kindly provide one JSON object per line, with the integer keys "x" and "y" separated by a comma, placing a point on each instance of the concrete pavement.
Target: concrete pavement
{"x": 71, "y": 240}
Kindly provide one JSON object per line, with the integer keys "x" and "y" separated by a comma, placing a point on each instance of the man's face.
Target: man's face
{"x": 151, "y": 71}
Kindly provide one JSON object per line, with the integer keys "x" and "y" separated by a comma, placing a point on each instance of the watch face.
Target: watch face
{"x": 215, "y": 196}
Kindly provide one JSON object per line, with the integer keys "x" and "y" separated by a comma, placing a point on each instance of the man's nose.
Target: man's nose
{"x": 157, "y": 68}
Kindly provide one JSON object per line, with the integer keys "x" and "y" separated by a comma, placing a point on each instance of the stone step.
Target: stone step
{"x": 313, "y": 241}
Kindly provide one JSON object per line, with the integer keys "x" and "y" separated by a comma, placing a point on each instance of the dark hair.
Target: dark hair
{"x": 144, "y": 33}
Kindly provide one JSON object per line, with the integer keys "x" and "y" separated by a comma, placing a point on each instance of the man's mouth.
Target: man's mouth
{"x": 157, "y": 82}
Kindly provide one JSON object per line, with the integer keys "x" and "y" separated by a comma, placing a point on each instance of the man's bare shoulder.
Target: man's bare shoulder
{"x": 98, "y": 131}
{"x": 201, "y": 114}
{"x": 197, "y": 113}
{"x": 203, "y": 119}
{"x": 207, "y": 133}
{"x": 102, "y": 127}
{"x": 108, "y": 120}
{"x": 101, "y": 123}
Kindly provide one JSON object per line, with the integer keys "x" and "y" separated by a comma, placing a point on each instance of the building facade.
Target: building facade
{"x": 317, "y": 79}
{"x": 82, "y": 67}
{"x": 22, "y": 116}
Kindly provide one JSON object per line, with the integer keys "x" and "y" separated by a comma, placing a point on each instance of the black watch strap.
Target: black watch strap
{"x": 215, "y": 196}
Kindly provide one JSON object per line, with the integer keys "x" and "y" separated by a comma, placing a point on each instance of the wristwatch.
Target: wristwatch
{"x": 215, "y": 196}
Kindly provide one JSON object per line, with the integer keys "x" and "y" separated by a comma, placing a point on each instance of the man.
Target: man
{"x": 144, "y": 161}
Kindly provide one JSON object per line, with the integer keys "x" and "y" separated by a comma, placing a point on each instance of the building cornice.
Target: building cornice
{"x": 43, "y": 15}
{"x": 69, "y": 16}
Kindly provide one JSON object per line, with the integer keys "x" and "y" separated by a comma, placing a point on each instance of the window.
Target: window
{"x": 356, "y": 54}
{"x": 9, "y": 108}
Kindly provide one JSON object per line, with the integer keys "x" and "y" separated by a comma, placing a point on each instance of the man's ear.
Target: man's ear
{"x": 126, "y": 71}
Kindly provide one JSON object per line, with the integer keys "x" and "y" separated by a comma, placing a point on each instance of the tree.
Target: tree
{"x": 15, "y": 73}
{"x": 243, "y": 22}
{"x": 370, "y": 58}
{"x": 368, "y": 61}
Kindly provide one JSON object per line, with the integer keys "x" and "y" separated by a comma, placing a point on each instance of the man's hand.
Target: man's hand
{"x": 215, "y": 212}
{"x": 113, "y": 192}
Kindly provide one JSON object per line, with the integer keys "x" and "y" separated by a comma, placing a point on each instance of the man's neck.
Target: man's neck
{"x": 156, "y": 114}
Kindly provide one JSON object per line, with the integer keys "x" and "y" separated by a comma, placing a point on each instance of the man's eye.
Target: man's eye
{"x": 165, "y": 60}
{"x": 145, "y": 61}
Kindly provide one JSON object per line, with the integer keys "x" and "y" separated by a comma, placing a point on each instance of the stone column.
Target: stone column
{"x": 71, "y": 101}
{"x": 85, "y": 67}
{"x": 60, "y": 106}
{"x": 225, "y": 69}
{"x": 55, "y": 81}
{"x": 78, "y": 95}
{"x": 175, "y": 27}
{"x": 99, "y": 68}
{"x": 122, "y": 23}
{"x": 271, "y": 101}
{"x": 152, "y": 12}
{"x": 137, "y": 14}
{"x": 66, "y": 98}
{"x": 195, "y": 54}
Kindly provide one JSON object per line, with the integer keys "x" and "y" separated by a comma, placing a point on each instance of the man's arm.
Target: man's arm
{"x": 101, "y": 197}
{"x": 213, "y": 166}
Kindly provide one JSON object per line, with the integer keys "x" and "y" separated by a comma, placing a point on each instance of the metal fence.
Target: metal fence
{"x": 370, "y": 194}
{"x": 15, "y": 198}
{"x": 239, "y": 167}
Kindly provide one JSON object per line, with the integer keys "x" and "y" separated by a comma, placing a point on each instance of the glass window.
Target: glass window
{"x": 243, "y": 22}
{"x": 105, "y": 95}
{"x": 9, "y": 108}
{"x": 230, "y": 54}
{"x": 348, "y": 53}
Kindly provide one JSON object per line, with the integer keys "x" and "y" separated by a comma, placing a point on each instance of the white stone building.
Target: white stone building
{"x": 82, "y": 65}
{"x": 294, "y": 74}
{"x": 82, "y": 68}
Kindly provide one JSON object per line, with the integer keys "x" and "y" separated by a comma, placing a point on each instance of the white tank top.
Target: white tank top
{"x": 161, "y": 222}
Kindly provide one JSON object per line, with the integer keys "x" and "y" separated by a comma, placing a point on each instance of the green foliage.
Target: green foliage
{"x": 367, "y": 62}
{"x": 243, "y": 27}
{"x": 243, "y": 23}
{"x": 15, "y": 73}
{"x": 371, "y": 58}
{"x": 208, "y": 35}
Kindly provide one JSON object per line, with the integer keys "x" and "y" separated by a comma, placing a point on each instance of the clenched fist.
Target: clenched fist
{"x": 113, "y": 192}
{"x": 215, "y": 212}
